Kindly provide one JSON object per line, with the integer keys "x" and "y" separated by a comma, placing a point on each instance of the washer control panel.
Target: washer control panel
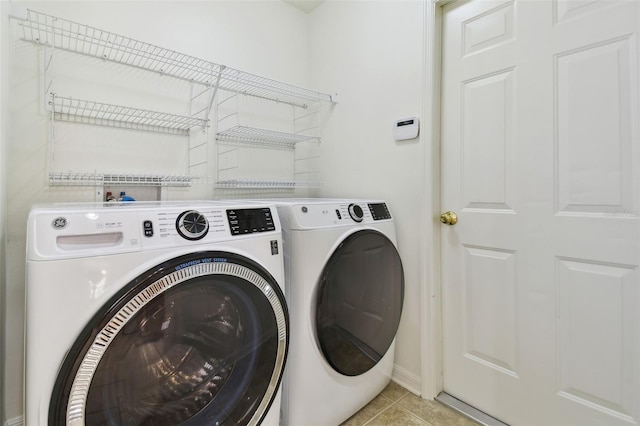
{"x": 172, "y": 226}
{"x": 96, "y": 229}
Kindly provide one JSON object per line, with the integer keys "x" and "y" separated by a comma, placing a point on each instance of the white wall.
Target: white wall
{"x": 371, "y": 53}
{"x": 267, "y": 38}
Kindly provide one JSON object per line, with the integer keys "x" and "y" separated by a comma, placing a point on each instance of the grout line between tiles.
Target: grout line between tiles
{"x": 378, "y": 414}
{"x": 381, "y": 411}
{"x": 395, "y": 403}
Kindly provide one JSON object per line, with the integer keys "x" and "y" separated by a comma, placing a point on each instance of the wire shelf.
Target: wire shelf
{"x": 68, "y": 35}
{"x": 79, "y": 38}
{"x": 100, "y": 179}
{"x": 90, "y": 112}
{"x": 237, "y": 81}
{"x": 264, "y": 184}
{"x": 253, "y": 135}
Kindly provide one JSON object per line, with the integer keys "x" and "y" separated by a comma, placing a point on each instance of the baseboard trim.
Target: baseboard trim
{"x": 16, "y": 421}
{"x": 406, "y": 379}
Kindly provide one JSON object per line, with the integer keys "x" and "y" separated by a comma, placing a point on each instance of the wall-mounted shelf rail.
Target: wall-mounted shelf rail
{"x": 90, "y": 112}
{"x": 68, "y": 35}
{"x": 258, "y": 136}
{"x": 101, "y": 179}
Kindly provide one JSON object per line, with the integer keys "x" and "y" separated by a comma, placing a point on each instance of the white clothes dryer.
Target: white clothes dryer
{"x": 345, "y": 290}
{"x": 154, "y": 314}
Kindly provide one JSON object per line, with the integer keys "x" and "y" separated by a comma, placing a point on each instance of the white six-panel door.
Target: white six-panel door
{"x": 541, "y": 163}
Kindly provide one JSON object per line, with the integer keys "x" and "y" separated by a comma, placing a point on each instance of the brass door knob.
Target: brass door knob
{"x": 449, "y": 218}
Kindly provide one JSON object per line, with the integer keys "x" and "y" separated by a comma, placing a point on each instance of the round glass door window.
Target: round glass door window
{"x": 359, "y": 302}
{"x": 199, "y": 340}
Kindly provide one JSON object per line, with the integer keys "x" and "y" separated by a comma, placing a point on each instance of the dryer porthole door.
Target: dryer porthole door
{"x": 359, "y": 302}
{"x": 199, "y": 340}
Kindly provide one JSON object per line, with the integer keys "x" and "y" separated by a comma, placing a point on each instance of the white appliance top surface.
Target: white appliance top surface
{"x": 75, "y": 230}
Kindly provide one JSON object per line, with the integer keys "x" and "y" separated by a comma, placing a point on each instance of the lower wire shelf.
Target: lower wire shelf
{"x": 264, "y": 184}
{"x": 252, "y": 135}
{"x": 120, "y": 179}
{"x": 91, "y": 112}
{"x": 93, "y": 179}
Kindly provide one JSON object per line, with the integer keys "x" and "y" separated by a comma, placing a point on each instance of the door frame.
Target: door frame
{"x": 431, "y": 354}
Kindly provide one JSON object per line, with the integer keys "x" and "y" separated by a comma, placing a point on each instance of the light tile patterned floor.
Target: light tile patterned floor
{"x": 398, "y": 407}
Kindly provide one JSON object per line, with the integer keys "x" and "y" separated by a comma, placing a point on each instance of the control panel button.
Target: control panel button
{"x": 147, "y": 226}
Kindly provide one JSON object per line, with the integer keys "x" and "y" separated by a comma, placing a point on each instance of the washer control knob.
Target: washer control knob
{"x": 356, "y": 213}
{"x": 192, "y": 225}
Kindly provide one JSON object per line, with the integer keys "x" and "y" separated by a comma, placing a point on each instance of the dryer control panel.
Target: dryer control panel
{"x": 317, "y": 214}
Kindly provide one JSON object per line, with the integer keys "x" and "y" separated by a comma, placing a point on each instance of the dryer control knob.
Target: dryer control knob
{"x": 192, "y": 225}
{"x": 356, "y": 213}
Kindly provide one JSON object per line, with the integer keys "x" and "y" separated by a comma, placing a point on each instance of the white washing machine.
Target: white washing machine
{"x": 345, "y": 289}
{"x": 154, "y": 314}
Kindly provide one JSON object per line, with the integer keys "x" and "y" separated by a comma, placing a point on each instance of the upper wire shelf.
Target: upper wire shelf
{"x": 259, "y": 136}
{"x": 90, "y": 112}
{"x": 68, "y": 35}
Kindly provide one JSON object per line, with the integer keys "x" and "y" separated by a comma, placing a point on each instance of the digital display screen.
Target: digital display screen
{"x": 379, "y": 211}
{"x": 248, "y": 221}
{"x": 404, "y": 123}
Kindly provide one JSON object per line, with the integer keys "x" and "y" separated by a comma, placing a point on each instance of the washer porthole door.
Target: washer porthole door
{"x": 359, "y": 302}
{"x": 201, "y": 339}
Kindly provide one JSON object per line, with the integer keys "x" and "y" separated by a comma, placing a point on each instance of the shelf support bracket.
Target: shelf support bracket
{"x": 215, "y": 89}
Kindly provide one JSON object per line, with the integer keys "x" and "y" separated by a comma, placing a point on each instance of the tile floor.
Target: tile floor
{"x": 398, "y": 407}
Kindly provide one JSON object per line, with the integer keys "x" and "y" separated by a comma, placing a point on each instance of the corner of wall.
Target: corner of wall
{"x": 406, "y": 379}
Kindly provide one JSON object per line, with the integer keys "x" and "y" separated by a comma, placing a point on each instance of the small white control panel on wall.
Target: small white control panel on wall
{"x": 407, "y": 128}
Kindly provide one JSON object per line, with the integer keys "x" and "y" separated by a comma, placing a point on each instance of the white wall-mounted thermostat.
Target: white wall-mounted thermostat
{"x": 407, "y": 128}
